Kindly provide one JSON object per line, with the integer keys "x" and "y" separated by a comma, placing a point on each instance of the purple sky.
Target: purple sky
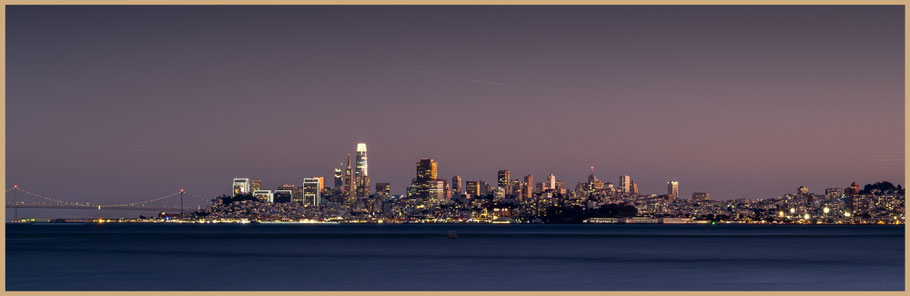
{"x": 129, "y": 103}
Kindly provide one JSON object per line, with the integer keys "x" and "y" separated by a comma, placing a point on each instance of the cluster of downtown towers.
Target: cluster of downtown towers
{"x": 352, "y": 182}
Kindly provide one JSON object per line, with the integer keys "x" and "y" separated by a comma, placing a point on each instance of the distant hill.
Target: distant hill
{"x": 883, "y": 187}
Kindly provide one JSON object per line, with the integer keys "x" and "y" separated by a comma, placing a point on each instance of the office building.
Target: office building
{"x": 255, "y": 184}
{"x": 241, "y": 186}
{"x": 503, "y": 180}
{"x": 550, "y": 184}
{"x": 339, "y": 179}
{"x": 427, "y": 176}
{"x": 456, "y": 185}
{"x": 625, "y": 184}
{"x": 264, "y": 195}
{"x": 312, "y": 191}
{"x": 673, "y": 189}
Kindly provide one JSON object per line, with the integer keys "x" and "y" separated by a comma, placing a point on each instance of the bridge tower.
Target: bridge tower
{"x": 15, "y": 204}
{"x": 181, "y": 203}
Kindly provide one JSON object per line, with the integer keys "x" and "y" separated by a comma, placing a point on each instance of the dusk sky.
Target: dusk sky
{"x": 112, "y": 103}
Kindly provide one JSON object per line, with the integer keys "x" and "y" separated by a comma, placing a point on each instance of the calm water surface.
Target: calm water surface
{"x": 483, "y": 257}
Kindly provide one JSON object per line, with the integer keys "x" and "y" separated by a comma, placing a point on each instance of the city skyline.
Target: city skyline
{"x": 650, "y": 92}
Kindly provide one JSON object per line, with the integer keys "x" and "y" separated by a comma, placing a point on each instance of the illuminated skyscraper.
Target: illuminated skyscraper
{"x": 456, "y": 185}
{"x": 472, "y": 188}
{"x": 312, "y": 191}
{"x": 634, "y": 188}
{"x": 361, "y": 172}
{"x": 625, "y": 184}
{"x": 426, "y": 177}
{"x": 527, "y": 187}
{"x": 339, "y": 179}
{"x": 349, "y": 183}
{"x": 504, "y": 180}
{"x": 673, "y": 189}
{"x": 551, "y": 183}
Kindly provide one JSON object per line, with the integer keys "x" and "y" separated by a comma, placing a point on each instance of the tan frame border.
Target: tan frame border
{"x": 442, "y": 2}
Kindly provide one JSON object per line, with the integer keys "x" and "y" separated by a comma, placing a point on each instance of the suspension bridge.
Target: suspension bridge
{"x": 19, "y": 198}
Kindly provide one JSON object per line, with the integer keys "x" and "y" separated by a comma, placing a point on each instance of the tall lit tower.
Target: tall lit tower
{"x": 504, "y": 181}
{"x": 339, "y": 180}
{"x": 551, "y": 182}
{"x": 673, "y": 189}
{"x": 456, "y": 185}
{"x": 361, "y": 173}
{"x": 349, "y": 180}
{"x": 427, "y": 176}
{"x": 625, "y": 184}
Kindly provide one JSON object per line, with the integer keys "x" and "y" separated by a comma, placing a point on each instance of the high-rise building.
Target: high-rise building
{"x": 625, "y": 184}
{"x": 527, "y": 187}
{"x": 241, "y": 186}
{"x": 438, "y": 190}
{"x": 673, "y": 189}
{"x": 349, "y": 183}
{"x": 361, "y": 173}
{"x": 550, "y": 185}
{"x": 473, "y": 188}
{"x": 456, "y": 185}
{"x": 852, "y": 190}
{"x": 384, "y": 188}
{"x": 312, "y": 191}
{"x": 802, "y": 190}
{"x": 339, "y": 180}
{"x": 255, "y": 184}
{"x": 427, "y": 175}
{"x": 560, "y": 185}
{"x": 634, "y": 187}
{"x": 700, "y": 196}
{"x": 503, "y": 180}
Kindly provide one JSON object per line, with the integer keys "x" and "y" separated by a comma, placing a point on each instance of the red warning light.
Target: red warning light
{"x": 16, "y": 186}
{"x": 181, "y": 190}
